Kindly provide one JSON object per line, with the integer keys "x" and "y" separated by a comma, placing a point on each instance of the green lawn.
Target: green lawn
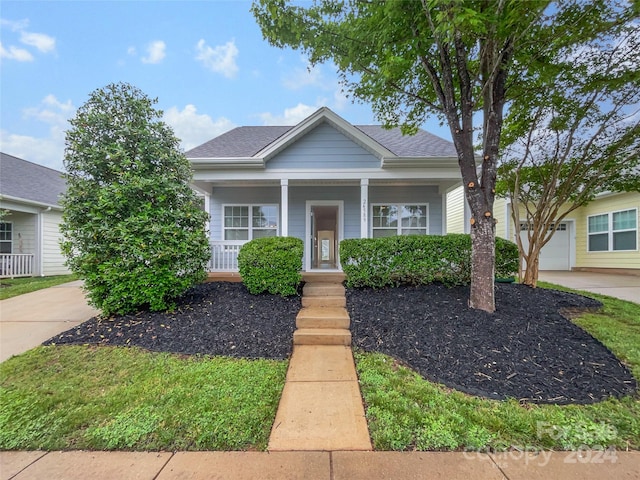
{"x": 405, "y": 411}
{"x": 12, "y": 287}
{"x": 82, "y": 397}
{"x": 78, "y": 397}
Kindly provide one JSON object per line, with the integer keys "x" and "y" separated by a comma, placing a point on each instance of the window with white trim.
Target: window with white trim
{"x": 399, "y": 219}
{"x": 246, "y": 222}
{"x": 614, "y": 231}
{"x": 6, "y": 237}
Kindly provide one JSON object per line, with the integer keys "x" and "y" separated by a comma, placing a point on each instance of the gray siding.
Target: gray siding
{"x": 324, "y": 147}
{"x": 414, "y": 194}
{"x": 52, "y": 258}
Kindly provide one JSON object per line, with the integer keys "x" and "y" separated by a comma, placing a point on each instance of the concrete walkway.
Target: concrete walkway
{"x": 516, "y": 465}
{"x": 625, "y": 287}
{"x": 28, "y": 320}
{"x": 321, "y": 405}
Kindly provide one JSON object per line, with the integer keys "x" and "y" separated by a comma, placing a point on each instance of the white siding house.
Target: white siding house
{"x": 29, "y": 234}
{"x": 322, "y": 181}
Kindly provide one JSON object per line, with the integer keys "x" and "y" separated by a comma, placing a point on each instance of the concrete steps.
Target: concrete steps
{"x": 322, "y": 336}
{"x": 323, "y": 319}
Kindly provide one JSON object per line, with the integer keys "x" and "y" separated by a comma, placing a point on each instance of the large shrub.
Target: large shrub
{"x": 417, "y": 259}
{"x": 132, "y": 227}
{"x": 271, "y": 264}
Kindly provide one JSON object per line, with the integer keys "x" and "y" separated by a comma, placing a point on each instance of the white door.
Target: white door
{"x": 555, "y": 255}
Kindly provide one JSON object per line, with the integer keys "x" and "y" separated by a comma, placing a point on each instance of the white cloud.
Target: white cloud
{"x": 307, "y": 76}
{"x": 15, "y": 53}
{"x": 291, "y": 116}
{"x": 220, "y": 59}
{"x": 47, "y": 150}
{"x": 192, "y": 128}
{"x": 131, "y": 51}
{"x": 156, "y": 52}
{"x": 42, "y": 42}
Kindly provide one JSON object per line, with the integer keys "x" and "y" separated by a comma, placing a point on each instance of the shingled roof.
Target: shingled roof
{"x": 29, "y": 181}
{"x": 243, "y": 142}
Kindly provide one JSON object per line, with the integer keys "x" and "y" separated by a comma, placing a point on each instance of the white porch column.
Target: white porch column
{"x": 364, "y": 208}
{"x": 284, "y": 206}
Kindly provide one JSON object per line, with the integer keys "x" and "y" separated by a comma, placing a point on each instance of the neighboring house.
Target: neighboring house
{"x": 601, "y": 236}
{"x": 323, "y": 180}
{"x": 29, "y": 234}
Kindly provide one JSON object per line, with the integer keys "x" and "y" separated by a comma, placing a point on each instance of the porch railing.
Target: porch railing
{"x": 224, "y": 255}
{"x": 16, "y": 265}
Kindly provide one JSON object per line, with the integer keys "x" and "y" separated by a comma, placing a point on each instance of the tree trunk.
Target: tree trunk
{"x": 483, "y": 235}
{"x": 532, "y": 268}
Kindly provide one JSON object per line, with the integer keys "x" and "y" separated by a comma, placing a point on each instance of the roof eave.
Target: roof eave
{"x": 227, "y": 162}
{"x": 32, "y": 203}
{"x": 413, "y": 162}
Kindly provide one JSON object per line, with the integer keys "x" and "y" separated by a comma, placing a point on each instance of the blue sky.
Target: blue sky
{"x": 205, "y": 61}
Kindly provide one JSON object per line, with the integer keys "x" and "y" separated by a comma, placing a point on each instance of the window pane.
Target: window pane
{"x": 5, "y": 231}
{"x": 264, "y": 233}
{"x": 625, "y": 240}
{"x": 624, "y": 220}
{"x": 379, "y": 233}
{"x": 265, "y": 217}
{"x": 5, "y": 247}
{"x": 236, "y": 234}
{"x": 414, "y": 216}
{"x": 385, "y": 216}
{"x": 599, "y": 223}
{"x": 410, "y": 231}
{"x": 599, "y": 242}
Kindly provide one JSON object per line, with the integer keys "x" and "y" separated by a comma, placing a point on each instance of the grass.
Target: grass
{"x": 79, "y": 397}
{"x": 407, "y": 412}
{"x": 12, "y": 287}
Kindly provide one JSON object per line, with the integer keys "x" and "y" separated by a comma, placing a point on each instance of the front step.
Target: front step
{"x": 327, "y": 301}
{"x": 323, "y": 317}
{"x": 313, "y": 277}
{"x": 323, "y": 289}
{"x": 322, "y": 336}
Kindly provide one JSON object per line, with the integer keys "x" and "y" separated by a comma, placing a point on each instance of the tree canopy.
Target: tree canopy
{"x": 132, "y": 227}
{"x": 459, "y": 60}
{"x": 573, "y": 135}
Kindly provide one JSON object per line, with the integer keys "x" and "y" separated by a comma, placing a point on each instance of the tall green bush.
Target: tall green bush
{"x": 132, "y": 226}
{"x": 271, "y": 264}
{"x": 417, "y": 259}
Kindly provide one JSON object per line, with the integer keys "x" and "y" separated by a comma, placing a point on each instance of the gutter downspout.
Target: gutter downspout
{"x": 40, "y": 259}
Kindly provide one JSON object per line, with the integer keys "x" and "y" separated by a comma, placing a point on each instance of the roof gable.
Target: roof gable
{"x": 253, "y": 147}
{"x": 24, "y": 180}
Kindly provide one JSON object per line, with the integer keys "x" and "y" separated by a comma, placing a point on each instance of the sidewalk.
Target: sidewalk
{"x": 28, "y": 320}
{"x": 585, "y": 465}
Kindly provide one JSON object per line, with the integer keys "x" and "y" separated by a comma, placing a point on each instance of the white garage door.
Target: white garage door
{"x": 556, "y": 254}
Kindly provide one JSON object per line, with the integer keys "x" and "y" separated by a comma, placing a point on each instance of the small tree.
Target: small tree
{"x": 571, "y": 136}
{"x": 132, "y": 227}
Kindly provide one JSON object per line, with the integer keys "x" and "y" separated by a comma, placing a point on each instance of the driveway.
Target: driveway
{"x": 28, "y": 320}
{"x": 625, "y": 287}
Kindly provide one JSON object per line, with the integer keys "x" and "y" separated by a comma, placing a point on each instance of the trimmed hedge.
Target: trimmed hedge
{"x": 418, "y": 259}
{"x": 271, "y": 264}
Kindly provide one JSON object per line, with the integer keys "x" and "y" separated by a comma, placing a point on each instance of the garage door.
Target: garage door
{"x": 556, "y": 254}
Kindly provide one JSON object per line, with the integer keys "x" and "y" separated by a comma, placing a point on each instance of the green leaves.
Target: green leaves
{"x": 271, "y": 264}
{"x": 132, "y": 226}
{"x": 418, "y": 259}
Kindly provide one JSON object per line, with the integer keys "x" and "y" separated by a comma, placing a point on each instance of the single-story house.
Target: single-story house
{"x": 31, "y": 213}
{"x": 323, "y": 180}
{"x": 600, "y": 236}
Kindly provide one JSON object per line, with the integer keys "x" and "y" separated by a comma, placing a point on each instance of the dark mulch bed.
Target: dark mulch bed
{"x": 525, "y": 350}
{"x": 212, "y": 318}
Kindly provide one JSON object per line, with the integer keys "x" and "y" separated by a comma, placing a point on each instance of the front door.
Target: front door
{"x": 324, "y": 236}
